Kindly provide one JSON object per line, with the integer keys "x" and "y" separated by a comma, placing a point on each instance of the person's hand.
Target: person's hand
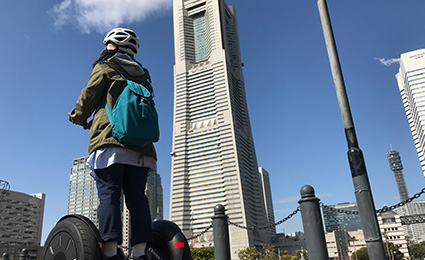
{"x": 70, "y": 116}
{"x": 85, "y": 125}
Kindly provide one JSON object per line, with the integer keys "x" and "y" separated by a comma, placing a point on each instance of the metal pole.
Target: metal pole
{"x": 313, "y": 225}
{"x": 221, "y": 234}
{"x": 24, "y": 254}
{"x": 5, "y": 256}
{"x": 362, "y": 188}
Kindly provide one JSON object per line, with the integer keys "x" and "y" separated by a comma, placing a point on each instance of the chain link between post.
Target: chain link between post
{"x": 203, "y": 232}
{"x": 254, "y": 228}
{"x": 384, "y": 209}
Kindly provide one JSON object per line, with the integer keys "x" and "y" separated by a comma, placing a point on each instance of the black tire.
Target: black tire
{"x": 168, "y": 243}
{"x": 70, "y": 239}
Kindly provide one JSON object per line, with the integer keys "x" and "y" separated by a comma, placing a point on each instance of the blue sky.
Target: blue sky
{"x": 48, "y": 48}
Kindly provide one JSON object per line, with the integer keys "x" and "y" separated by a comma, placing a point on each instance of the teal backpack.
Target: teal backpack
{"x": 134, "y": 119}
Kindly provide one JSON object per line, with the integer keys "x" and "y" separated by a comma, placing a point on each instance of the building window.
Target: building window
{"x": 200, "y": 37}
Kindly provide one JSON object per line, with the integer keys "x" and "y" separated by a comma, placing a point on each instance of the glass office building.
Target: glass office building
{"x": 341, "y": 221}
{"x": 82, "y": 195}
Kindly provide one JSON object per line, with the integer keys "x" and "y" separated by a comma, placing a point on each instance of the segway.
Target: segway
{"x": 75, "y": 237}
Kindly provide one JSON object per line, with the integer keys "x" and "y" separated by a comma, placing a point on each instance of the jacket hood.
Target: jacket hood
{"x": 128, "y": 64}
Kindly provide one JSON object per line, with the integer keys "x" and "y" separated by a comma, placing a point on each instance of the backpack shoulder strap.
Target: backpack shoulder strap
{"x": 108, "y": 110}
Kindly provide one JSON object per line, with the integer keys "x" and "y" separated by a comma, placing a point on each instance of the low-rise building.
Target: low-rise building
{"x": 291, "y": 242}
{"x": 341, "y": 243}
{"x": 392, "y": 231}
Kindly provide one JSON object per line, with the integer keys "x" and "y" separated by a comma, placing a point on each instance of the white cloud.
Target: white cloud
{"x": 61, "y": 13}
{"x": 388, "y": 62}
{"x": 101, "y": 15}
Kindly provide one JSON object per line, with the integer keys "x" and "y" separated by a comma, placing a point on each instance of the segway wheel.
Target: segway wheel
{"x": 71, "y": 239}
{"x": 168, "y": 243}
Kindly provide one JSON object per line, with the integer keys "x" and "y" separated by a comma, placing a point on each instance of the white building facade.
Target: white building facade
{"x": 411, "y": 83}
{"x": 213, "y": 154}
{"x": 415, "y": 232}
{"x": 392, "y": 231}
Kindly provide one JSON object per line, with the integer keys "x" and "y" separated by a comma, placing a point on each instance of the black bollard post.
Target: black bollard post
{"x": 24, "y": 255}
{"x": 221, "y": 234}
{"x": 5, "y": 256}
{"x": 313, "y": 225}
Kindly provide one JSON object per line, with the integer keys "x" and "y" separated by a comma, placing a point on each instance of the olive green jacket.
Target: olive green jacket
{"x": 104, "y": 79}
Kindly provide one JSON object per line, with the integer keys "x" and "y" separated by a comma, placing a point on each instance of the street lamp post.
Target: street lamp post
{"x": 362, "y": 188}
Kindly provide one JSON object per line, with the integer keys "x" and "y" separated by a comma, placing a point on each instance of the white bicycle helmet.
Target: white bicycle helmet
{"x": 125, "y": 39}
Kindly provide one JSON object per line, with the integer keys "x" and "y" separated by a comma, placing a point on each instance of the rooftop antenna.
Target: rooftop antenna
{"x": 4, "y": 188}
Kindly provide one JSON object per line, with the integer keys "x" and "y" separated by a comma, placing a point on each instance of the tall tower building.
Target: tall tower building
{"x": 397, "y": 167}
{"x": 213, "y": 154}
{"x": 411, "y": 84}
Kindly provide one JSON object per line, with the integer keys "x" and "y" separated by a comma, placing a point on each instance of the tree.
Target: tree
{"x": 249, "y": 253}
{"x": 202, "y": 253}
{"x": 417, "y": 250}
{"x": 391, "y": 251}
{"x": 361, "y": 254}
{"x": 287, "y": 257}
{"x": 302, "y": 253}
{"x": 267, "y": 253}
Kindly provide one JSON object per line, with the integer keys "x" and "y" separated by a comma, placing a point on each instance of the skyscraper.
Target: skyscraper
{"x": 267, "y": 197}
{"x": 154, "y": 194}
{"x": 411, "y": 83}
{"x": 397, "y": 167}
{"x": 82, "y": 195}
{"x": 213, "y": 154}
